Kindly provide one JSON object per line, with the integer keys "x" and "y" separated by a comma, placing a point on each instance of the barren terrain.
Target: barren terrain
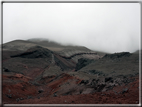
{"x": 43, "y": 72}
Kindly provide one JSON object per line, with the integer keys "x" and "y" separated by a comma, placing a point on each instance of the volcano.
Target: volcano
{"x": 45, "y": 72}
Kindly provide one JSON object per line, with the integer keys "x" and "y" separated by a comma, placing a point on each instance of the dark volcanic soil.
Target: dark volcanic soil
{"x": 38, "y": 75}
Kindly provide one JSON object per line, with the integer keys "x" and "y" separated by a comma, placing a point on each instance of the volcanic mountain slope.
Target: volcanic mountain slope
{"x": 35, "y": 73}
{"x": 68, "y": 51}
{"x": 77, "y": 52}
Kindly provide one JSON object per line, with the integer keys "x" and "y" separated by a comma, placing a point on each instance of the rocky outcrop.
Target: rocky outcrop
{"x": 35, "y": 52}
{"x": 82, "y": 63}
{"x": 117, "y": 55}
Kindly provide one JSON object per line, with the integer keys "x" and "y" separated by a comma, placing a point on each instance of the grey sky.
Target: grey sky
{"x": 109, "y": 27}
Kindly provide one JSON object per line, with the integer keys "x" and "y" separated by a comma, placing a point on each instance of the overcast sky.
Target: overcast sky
{"x": 109, "y": 27}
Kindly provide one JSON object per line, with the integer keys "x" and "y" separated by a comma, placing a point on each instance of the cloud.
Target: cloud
{"x": 110, "y": 27}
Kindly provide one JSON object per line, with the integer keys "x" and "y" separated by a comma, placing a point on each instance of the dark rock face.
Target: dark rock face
{"x": 100, "y": 87}
{"x": 82, "y": 63}
{"x": 35, "y": 52}
{"x": 108, "y": 79}
{"x": 117, "y": 55}
{"x": 40, "y": 91}
{"x": 6, "y": 70}
{"x": 95, "y": 72}
{"x": 9, "y": 96}
{"x": 84, "y": 82}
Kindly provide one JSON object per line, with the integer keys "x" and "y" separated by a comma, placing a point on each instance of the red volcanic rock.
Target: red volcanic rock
{"x": 114, "y": 96}
{"x": 130, "y": 97}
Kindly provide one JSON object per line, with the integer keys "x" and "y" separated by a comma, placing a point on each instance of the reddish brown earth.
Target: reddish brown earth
{"x": 24, "y": 89}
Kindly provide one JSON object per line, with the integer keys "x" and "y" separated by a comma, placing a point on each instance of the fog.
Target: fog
{"x": 108, "y": 27}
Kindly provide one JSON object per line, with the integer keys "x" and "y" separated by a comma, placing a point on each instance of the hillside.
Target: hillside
{"x": 45, "y": 72}
{"x": 18, "y": 46}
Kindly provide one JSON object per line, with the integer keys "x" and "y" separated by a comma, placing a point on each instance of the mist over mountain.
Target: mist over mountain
{"x": 71, "y": 53}
{"x": 114, "y": 28}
